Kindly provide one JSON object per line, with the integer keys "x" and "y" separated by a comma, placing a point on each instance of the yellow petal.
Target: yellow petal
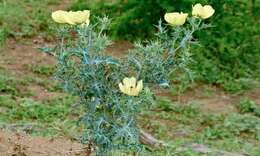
{"x": 168, "y": 17}
{"x": 126, "y": 81}
{"x": 203, "y": 12}
{"x": 69, "y": 19}
{"x": 181, "y": 18}
{"x": 139, "y": 86}
{"x": 79, "y": 17}
{"x": 134, "y": 92}
{"x": 59, "y": 16}
{"x": 87, "y": 22}
{"x": 87, "y": 13}
{"x": 132, "y": 82}
{"x": 130, "y": 87}
{"x": 208, "y": 11}
{"x": 175, "y": 18}
{"x": 122, "y": 88}
{"x": 196, "y": 9}
{"x": 129, "y": 82}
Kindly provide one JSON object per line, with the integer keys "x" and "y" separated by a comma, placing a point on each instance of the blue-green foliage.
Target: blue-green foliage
{"x": 229, "y": 50}
{"x": 160, "y": 59}
{"x": 87, "y": 72}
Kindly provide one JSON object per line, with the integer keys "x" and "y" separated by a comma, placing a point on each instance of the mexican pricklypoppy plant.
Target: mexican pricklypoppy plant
{"x": 113, "y": 90}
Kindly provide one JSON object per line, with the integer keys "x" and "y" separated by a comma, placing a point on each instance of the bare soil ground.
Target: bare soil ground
{"x": 218, "y": 101}
{"x": 19, "y": 144}
{"x": 17, "y": 57}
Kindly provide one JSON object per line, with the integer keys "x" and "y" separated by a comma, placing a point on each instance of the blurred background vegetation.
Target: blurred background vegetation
{"x": 228, "y": 54}
{"x": 24, "y": 18}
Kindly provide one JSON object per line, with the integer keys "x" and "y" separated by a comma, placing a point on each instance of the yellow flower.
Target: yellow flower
{"x": 203, "y": 12}
{"x": 175, "y": 18}
{"x": 59, "y": 16}
{"x": 130, "y": 86}
{"x": 71, "y": 17}
{"x": 79, "y": 17}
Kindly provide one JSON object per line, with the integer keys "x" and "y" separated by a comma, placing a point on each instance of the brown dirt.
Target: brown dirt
{"x": 19, "y": 57}
{"x": 41, "y": 93}
{"x": 218, "y": 101}
{"x": 254, "y": 95}
{"x": 19, "y": 144}
{"x": 119, "y": 48}
{"x": 63, "y": 5}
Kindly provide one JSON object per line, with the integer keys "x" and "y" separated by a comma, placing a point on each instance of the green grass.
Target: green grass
{"x": 248, "y": 106}
{"x": 182, "y": 124}
{"x": 51, "y": 118}
{"x": 177, "y": 124}
{"x": 10, "y": 85}
{"x": 46, "y": 70}
{"x": 25, "y": 18}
